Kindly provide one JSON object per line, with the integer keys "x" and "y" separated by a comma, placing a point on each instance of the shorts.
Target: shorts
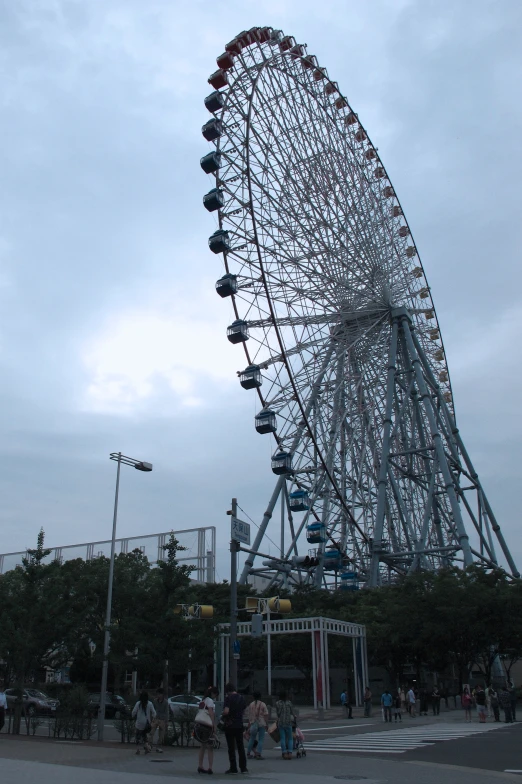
{"x": 481, "y": 710}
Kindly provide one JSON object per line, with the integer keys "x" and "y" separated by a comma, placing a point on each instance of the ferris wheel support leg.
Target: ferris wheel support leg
{"x": 373, "y": 580}
{"x": 262, "y": 529}
{"x": 464, "y": 452}
{"x": 427, "y": 402}
{"x": 489, "y": 510}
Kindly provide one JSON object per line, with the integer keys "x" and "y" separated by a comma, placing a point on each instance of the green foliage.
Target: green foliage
{"x": 52, "y": 614}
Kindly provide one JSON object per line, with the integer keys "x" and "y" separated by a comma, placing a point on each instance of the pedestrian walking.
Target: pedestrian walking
{"x": 504, "y": 698}
{"x": 480, "y": 701}
{"x": 346, "y": 703}
{"x": 208, "y": 748}
{"x": 435, "y": 701}
{"x": 495, "y": 705}
{"x": 412, "y": 699}
{"x": 3, "y": 706}
{"x": 144, "y": 714}
{"x": 387, "y": 702}
{"x": 161, "y": 720}
{"x": 397, "y": 705}
{"x": 367, "y": 699}
{"x": 513, "y": 700}
{"x": 402, "y": 692}
{"x": 257, "y": 720}
{"x": 233, "y": 718}
{"x": 285, "y": 719}
{"x": 466, "y": 702}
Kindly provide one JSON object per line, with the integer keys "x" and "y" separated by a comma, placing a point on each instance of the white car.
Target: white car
{"x": 184, "y": 706}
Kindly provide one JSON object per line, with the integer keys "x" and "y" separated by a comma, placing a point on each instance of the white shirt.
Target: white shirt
{"x": 3, "y": 700}
{"x": 411, "y": 695}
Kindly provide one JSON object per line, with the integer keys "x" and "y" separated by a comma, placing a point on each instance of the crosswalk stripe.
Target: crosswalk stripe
{"x": 397, "y": 741}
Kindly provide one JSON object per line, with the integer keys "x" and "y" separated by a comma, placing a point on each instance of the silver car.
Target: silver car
{"x": 184, "y": 706}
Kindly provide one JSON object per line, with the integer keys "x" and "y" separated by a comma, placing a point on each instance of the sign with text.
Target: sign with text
{"x": 240, "y": 531}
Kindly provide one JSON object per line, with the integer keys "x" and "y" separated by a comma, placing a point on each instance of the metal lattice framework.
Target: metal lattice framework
{"x": 339, "y": 329}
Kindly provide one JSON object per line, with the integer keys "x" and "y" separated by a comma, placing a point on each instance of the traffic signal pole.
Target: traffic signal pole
{"x": 234, "y": 549}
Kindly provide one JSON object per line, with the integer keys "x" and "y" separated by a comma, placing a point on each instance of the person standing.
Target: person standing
{"x": 387, "y": 702}
{"x": 257, "y": 715}
{"x": 397, "y": 707}
{"x": 513, "y": 701}
{"x": 412, "y": 699}
{"x": 435, "y": 701}
{"x": 3, "y": 706}
{"x": 480, "y": 701}
{"x": 367, "y": 699}
{"x": 466, "y": 701}
{"x": 402, "y": 693}
{"x": 233, "y": 717}
{"x": 504, "y": 698}
{"x": 208, "y": 747}
{"x": 495, "y": 705}
{"x": 285, "y": 719}
{"x": 161, "y": 719}
{"x": 144, "y": 714}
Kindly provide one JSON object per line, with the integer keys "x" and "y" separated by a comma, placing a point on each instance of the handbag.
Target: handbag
{"x": 148, "y": 727}
{"x": 203, "y": 717}
{"x": 274, "y": 733}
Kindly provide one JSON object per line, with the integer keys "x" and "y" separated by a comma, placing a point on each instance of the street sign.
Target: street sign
{"x": 240, "y": 531}
{"x": 237, "y": 646}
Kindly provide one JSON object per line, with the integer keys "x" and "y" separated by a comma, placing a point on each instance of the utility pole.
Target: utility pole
{"x": 234, "y": 549}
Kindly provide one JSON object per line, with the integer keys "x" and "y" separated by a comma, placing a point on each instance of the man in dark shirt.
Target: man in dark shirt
{"x": 233, "y": 717}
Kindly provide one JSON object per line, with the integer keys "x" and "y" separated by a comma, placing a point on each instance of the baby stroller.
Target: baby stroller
{"x": 298, "y": 736}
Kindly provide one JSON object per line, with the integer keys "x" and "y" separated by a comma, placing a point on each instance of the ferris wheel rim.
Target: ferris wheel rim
{"x": 286, "y": 60}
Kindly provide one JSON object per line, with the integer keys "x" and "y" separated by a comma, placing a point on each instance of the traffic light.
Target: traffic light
{"x": 251, "y": 604}
{"x": 275, "y": 604}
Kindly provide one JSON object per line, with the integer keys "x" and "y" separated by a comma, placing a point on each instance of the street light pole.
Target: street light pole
{"x": 141, "y": 466}
{"x": 108, "y": 612}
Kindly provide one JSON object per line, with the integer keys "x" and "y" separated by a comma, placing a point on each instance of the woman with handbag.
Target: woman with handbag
{"x": 285, "y": 719}
{"x": 144, "y": 713}
{"x": 207, "y": 707}
{"x": 257, "y": 715}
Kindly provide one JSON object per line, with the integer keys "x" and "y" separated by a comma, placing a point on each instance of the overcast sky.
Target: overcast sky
{"x": 111, "y": 335}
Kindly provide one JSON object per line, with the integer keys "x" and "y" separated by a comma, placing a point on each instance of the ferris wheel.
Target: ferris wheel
{"x": 341, "y": 339}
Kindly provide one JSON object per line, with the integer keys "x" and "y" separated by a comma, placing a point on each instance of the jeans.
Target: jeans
{"x": 507, "y": 714}
{"x": 367, "y": 708}
{"x": 387, "y": 712}
{"x": 287, "y": 740}
{"x": 234, "y": 738}
{"x": 348, "y": 709}
{"x": 258, "y": 734}
{"x": 436, "y": 707}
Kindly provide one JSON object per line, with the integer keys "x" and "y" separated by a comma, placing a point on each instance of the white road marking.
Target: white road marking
{"x": 397, "y": 741}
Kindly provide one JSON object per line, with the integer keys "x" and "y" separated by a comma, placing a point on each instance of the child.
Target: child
{"x": 397, "y": 707}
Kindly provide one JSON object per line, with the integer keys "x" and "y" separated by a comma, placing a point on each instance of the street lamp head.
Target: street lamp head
{"x": 143, "y": 466}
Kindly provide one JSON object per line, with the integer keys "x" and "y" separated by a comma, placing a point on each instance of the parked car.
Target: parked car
{"x": 34, "y": 701}
{"x": 115, "y": 706}
{"x": 184, "y": 706}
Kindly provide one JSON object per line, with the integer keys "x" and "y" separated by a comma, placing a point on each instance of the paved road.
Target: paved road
{"x": 449, "y": 751}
